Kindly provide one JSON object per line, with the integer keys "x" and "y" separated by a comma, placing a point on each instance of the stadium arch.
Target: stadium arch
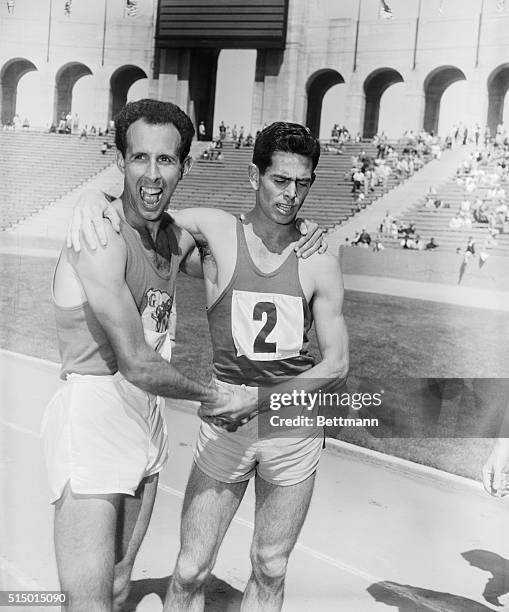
{"x": 437, "y": 81}
{"x": 10, "y": 75}
{"x": 65, "y": 79}
{"x": 376, "y": 83}
{"x": 120, "y": 82}
{"x": 317, "y": 86}
{"x": 498, "y": 84}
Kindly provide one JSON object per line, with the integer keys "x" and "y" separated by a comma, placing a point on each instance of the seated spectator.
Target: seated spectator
{"x": 407, "y": 242}
{"x": 363, "y": 239}
{"x": 418, "y": 243}
{"x": 464, "y": 209}
{"x": 431, "y": 244}
{"x": 456, "y": 222}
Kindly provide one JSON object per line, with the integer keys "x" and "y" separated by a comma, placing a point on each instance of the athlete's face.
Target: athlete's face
{"x": 151, "y": 168}
{"x": 283, "y": 187}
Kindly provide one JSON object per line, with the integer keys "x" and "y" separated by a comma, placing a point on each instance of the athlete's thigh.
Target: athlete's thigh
{"x": 85, "y": 528}
{"x": 279, "y": 515}
{"x": 134, "y": 508}
{"x": 209, "y": 506}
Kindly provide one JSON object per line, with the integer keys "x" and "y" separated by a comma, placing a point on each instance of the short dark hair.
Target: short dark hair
{"x": 285, "y": 137}
{"x": 154, "y": 112}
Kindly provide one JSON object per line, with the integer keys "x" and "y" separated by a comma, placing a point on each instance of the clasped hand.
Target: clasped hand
{"x": 233, "y": 408}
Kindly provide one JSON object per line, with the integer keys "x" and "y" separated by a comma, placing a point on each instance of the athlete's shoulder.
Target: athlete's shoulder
{"x": 323, "y": 263}
{"x": 105, "y": 256}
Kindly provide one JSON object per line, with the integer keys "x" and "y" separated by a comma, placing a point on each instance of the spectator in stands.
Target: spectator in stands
{"x": 407, "y": 241}
{"x": 456, "y": 223}
{"x": 360, "y": 201}
{"x": 26, "y": 124}
{"x": 357, "y": 180}
{"x": 222, "y": 131}
{"x": 249, "y": 140}
{"x": 16, "y": 122}
{"x": 84, "y": 135}
{"x": 418, "y": 243}
{"x": 431, "y": 197}
{"x": 385, "y": 225}
{"x": 431, "y": 244}
{"x": 364, "y": 239}
{"x": 104, "y": 147}
{"x": 93, "y": 130}
{"x": 201, "y": 131}
{"x": 464, "y": 209}
{"x": 377, "y": 244}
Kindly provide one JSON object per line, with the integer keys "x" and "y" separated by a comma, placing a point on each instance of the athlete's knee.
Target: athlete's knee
{"x": 269, "y": 565}
{"x": 191, "y": 573}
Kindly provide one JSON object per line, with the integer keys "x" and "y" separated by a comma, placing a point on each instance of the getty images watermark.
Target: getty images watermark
{"x": 313, "y": 401}
{"x": 299, "y": 412}
{"x": 395, "y": 407}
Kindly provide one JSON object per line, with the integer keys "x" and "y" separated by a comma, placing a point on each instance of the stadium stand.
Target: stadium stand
{"x": 430, "y": 221}
{"x": 224, "y": 184}
{"x": 39, "y": 168}
{"x": 68, "y": 162}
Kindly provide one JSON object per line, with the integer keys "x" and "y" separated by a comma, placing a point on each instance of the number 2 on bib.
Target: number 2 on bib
{"x": 266, "y": 326}
{"x": 260, "y": 344}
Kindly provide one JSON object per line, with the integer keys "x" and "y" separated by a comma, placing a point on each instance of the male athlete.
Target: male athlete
{"x": 261, "y": 302}
{"x": 104, "y": 435}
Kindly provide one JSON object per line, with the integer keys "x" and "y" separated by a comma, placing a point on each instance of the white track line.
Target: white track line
{"x": 9, "y": 569}
{"x": 305, "y": 549}
{"x": 29, "y": 358}
{"x": 20, "y": 428}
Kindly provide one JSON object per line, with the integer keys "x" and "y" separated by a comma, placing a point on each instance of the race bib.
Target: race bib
{"x": 267, "y": 326}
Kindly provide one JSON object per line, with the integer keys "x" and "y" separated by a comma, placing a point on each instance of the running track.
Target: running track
{"x": 371, "y": 521}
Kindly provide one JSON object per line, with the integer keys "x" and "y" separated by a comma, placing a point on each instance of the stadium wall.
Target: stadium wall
{"x": 425, "y": 46}
{"x": 427, "y": 267}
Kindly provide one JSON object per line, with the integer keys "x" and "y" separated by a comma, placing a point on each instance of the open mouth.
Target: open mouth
{"x": 285, "y": 209}
{"x": 151, "y": 196}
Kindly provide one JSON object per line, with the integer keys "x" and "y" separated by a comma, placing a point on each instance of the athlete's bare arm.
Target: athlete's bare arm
{"x": 87, "y": 221}
{"x": 322, "y": 283}
{"x": 102, "y": 275}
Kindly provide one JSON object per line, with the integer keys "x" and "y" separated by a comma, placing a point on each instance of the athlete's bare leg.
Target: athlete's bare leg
{"x": 279, "y": 516}
{"x": 209, "y": 506}
{"x": 85, "y": 549}
{"x": 133, "y": 519}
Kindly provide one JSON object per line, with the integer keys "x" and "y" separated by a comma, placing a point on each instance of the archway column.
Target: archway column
{"x": 268, "y": 98}
{"x": 355, "y": 106}
{"x": 414, "y": 107}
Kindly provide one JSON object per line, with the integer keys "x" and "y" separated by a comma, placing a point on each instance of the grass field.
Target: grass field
{"x": 391, "y": 340}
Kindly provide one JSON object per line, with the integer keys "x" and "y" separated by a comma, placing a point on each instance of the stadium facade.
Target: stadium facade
{"x": 304, "y": 47}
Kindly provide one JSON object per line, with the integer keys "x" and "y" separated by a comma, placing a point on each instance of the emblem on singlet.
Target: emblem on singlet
{"x": 267, "y": 326}
{"x": 156, "y": 314}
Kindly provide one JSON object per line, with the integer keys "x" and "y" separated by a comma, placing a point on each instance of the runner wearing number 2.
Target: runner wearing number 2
{"x": 261, "y": 303}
